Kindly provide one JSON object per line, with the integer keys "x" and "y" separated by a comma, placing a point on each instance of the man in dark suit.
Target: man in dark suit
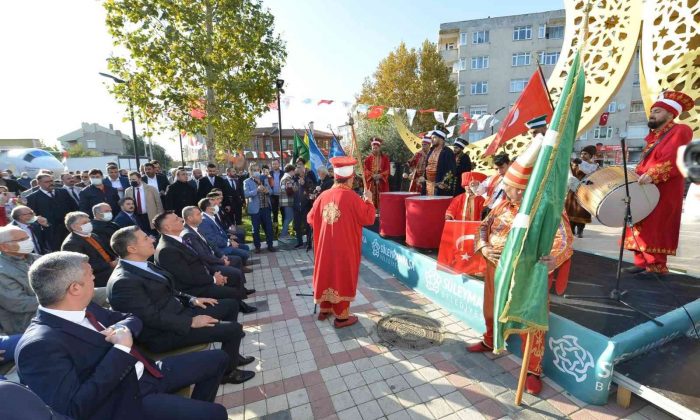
{"x": 215, "y": 234}
{"x": 126, "y": 216}
{"x": 53, "y": 204}
{"x": 68, "y": 182}
{"x": 80, "y": 359}
{"x": 180, "y": 193}
{"x": 212, "y": 180}
{"x": 102, "y": 224}
{"x": 190, "y": 274}
{"x": 154, "y": 179}
{"x": 98, "y": 192}
{"x": 36, "y": 227}
{"x": 116, "y": 180}
{"x": 20, "y": 403}
{"x": 82, "y": 240}
{"x": 172, "y": 319}
{"x": 196, "y": 177}
{"x": 233, "y": 203}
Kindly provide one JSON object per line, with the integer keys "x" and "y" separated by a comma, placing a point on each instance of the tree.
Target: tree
{"x": 78, "y": 150}
{"x": 159, "y": 152}
{"x": 406, "y": 78}
{"x": 220, "y": 56}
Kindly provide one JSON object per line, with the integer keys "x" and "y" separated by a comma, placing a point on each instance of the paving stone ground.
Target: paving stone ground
{"x": 306, "y": 369}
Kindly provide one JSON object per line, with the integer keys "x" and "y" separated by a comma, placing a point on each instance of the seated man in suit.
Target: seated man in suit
{"x": 98, "y": 192}
{"x": 17, "y": 299}
{"x": 172, "y": 319}
{"x": 224, "y": 219}
{"x": 126, "y": 216}
{"x": 216, "y": 235}
{"x": 79, "y": 358}
{"x": 35, "y": 226}
{"x": 81, "y": 239}
{"x": 190, "y": 274}
{"x": 102, "y": 224}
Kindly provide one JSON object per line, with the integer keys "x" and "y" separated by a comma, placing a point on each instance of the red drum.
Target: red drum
{"x": 392, "y": 213}
{"x": 425, "y": 218}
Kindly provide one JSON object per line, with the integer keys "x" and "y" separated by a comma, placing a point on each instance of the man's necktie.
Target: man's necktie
{"x": 148, "y": 365}
{"x": 75, "y": 196}
{"x": 138, "y": 201}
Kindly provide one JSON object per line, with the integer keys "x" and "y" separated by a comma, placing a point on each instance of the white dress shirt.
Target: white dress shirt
{"x": 152, "y": 181}
{"x": 78, "y": 317}
{"x": 117, "y": 185}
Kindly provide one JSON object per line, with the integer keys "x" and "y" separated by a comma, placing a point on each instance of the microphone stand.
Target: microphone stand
{"x": 617, "y": 294}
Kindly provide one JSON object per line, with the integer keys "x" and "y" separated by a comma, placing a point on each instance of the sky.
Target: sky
{"x": 51, "y": 52}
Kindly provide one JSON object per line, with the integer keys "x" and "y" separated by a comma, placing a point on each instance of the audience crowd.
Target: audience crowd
{"x": 113, "y": 287}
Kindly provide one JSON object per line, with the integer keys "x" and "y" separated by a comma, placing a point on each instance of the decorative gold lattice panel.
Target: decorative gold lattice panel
{"x": 670, "y": 57}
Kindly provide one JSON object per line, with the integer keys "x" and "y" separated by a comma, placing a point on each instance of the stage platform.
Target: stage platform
{"x": 586, "y": 338}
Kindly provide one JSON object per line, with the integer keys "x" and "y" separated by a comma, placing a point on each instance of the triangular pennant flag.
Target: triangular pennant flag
{"x": 325, "y": 101}
{"x": 450, "y": 130}
{"x": 361, "y": 108}
{"x": 450, "y": 116}
{"x": 494, "y": 121}
{"x": 482, "y": 120}
{"x": 410, "y": 113}
{"x": 439, "y": 117}
{"x": 466, "y": 125}
{"x": 306, "y": 101}
{"x": 391, "y": 111}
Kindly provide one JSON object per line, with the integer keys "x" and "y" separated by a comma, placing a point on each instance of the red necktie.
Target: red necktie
{"x": 138, "y": 201}
{"x": 148, "y": 365}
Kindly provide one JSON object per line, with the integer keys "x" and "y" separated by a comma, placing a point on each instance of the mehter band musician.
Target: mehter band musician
{"x": 439, "y": 171}
{"x": 580, "y": 168}
{"x": 417, "y": 165}
{"x": 462, "y": 163}
{"x": 468, "y": 205}
{"x": 376, "y": 170}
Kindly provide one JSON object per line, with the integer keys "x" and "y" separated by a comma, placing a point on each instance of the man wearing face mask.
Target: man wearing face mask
{"x": 18, "y": 302}
{"x": 36, "y": 227}
{"x": 146, "y": 199}
{"x": 81, "y": 239}
{"x": 257, "y": 191}
{"x": 102, "y": 224}
{"x": 98, "y": 192}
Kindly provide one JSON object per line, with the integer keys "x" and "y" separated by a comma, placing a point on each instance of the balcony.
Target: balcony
{"x": 450, "y": 56}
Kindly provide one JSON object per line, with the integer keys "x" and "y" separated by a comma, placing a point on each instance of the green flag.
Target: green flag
{"x": 520, "y": 299}
{"x": 301, "y": 150}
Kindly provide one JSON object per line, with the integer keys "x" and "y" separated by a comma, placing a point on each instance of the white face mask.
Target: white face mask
{"x": 86, "y": 228}
{"x": 26, "y": 246}
{"x": 216, "y": 209}
{"x": 32, "y": 220}
{"x": 107, "y": 217}
{"x": 96, "y": 181}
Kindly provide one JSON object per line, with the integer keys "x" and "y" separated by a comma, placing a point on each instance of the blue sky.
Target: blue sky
{"x": 53, "y": 50}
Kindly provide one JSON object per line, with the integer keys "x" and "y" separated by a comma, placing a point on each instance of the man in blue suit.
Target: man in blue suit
{"x": 116, "y": 181}
{"x": 98, "y": 192}
{"x": 217, "y": 236}
{"x": 79, "y": 358}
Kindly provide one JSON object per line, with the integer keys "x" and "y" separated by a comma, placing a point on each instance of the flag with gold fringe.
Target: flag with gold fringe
{"x": 520, "y": 299}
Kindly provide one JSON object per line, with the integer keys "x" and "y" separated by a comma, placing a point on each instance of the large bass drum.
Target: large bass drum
{"x": 602, "y": 193}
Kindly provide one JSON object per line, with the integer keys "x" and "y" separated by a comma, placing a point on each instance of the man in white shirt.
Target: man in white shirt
{"x": 69, "y": 185}
{"x": 71, "y": 336}
{"x": 116, "y": 181}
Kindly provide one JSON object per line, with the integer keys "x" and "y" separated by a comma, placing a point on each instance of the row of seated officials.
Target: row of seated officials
{"x": 80, "y": 360}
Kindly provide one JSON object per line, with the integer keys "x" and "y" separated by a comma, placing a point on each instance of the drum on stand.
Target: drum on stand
{"x": 392, "y": 212}
{"x": 425, "y": 218}
{"x": 602, "y": 194}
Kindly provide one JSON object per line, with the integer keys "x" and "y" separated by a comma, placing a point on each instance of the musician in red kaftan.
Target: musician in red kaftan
{"x": 376, "y": 171}
{"x": 336, "y": 219}
{"x": 656, "y": 237}
{"x": 417, "y": 166}
{"x": 468, "y": 205}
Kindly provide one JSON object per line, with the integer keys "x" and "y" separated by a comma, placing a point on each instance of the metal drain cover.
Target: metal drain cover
{"x": 409, "y": 330}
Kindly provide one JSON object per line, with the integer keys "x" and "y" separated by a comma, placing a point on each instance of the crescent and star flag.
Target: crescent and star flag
{"x": 533, "y": 102}
{"x": 375, "y": 111}
{"x": 336, "y": 149}
{"x": 300, "y": 149}
{"x": 604, "y": 119}
{"x": 521, "y": 280}
{"x": 457, "y": 248}
{"x": 316, "y": 158}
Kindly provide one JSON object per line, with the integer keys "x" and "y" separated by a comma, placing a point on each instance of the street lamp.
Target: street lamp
{"x": 279, "y": 84}
{"x": 133, "y": 122}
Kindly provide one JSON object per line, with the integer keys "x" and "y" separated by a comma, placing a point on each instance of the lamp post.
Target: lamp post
{"x": 133, "y": 121}
{"x": 182, "y": 152}
{"x": 279, "y": 84}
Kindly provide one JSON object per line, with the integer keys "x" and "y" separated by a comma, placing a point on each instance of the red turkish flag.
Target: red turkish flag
{"x": 325, "y": 101}
{"x": 466, "y": 125}
{"x": 533, "y": 102}
{"x": 375, "y": 112}
{"x": 604, "y": 119}
{"x": 457, "y": 248}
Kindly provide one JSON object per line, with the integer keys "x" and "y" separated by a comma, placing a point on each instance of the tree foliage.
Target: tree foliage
{"x": 77, "y": 150}
{"x": 159, "y": 153}
{"x": 406, "y": 78}
{"x": 218, "y": 55}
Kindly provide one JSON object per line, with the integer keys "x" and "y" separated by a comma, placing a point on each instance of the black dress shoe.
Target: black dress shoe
{"x": 632, "y": 269}
{"x": 258, "y": 250}
{"x": 271, "y": 249}
{"x": 253, "y": 261}
{"x": 246, "y": 270}
{"x": 247, "y": 309}
{"x": 245, "y": 360}
{"x": 237, "y": 377}
{"x": 249, "y": 291}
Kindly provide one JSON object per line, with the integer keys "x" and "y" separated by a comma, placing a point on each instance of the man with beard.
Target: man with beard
{"x": 417, "y": 165}
{"x": 656, "y": 237}
{"x": 440, "y": 167}
{"x": 462, "y": 163}
{"x": 180, "y": 193}
{"x": 376, "y": 168}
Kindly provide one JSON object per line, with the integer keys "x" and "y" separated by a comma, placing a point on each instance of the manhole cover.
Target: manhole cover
{"x": 409, "y": 330}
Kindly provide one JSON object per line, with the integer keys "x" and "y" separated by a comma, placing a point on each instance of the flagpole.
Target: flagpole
{"x": 356, "y": 151}
{"x": 523, "y": 370}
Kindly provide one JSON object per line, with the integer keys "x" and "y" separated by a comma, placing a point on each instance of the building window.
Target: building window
{"x": 584, "y": 136}
{"x": 637, "y": 106}
{"x": 287, "y": 144}
{"x": 462, "y": 63}
{"x": 476, "y": 110}
{"x": 480, "y": 37}
{"x": 554, "y": 32}
{"x": 635, "y": 81}
{"x": 268, "y": 145}
{"x": 637, "y": 131}
{"x": 542, "y": 31}
{"x": 521, "y": 59}
{"x": 463, "y": 38}
{"x": 479, "y": 63}
{"x": 602, "y": 133}
{"x": 521, "y": 33}
{"x": 612, "y": 107}
{"x": 480, "y": 88}
{"x": 91, "y": 144}
{"x": 450, "y": 46}
{"x": 461, "y": 90}
{"x": 549, "y": 58}
{"x": 517, "y": 85}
